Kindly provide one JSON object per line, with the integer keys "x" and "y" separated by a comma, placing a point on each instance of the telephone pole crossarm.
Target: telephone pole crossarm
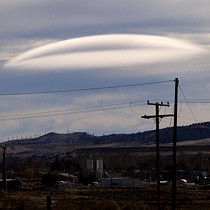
{"x": 159, "y": 104}
{"x": 154, "y": 116}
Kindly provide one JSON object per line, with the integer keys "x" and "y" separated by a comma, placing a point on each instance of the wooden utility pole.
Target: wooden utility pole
{"x": 157, "y": 116}
{"x": 4, "y": 186}
{"x": 48, "y": 200}
{"x": 174, "y": 145}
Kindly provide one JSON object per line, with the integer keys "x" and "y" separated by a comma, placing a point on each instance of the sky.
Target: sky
{"x": 68, "y": 66}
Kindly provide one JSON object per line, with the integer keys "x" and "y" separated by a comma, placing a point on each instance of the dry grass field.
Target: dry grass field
{"x": 33, "y": 197}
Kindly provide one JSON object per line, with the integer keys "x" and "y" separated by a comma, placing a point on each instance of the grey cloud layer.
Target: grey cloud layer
{"x": 42, "y": 18}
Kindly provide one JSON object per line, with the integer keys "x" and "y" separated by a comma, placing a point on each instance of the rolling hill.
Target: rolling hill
{"x": 53, "y": 143}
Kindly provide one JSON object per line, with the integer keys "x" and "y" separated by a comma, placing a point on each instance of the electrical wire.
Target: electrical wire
{"x": 93, "y": 108}
{"x": 187, "y": 104}
{"x": 194, "y": 101}
{"x": 69, "y": 111}
{"x": 131, "y": 109}
{"x": 180, "y": 121}
{"x": 84, "y": 89}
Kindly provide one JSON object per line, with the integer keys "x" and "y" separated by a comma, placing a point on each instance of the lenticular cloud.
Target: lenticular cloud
{"x": 105, "y": 51}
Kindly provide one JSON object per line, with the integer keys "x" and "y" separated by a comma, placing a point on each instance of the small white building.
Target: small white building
{"x": 120, "y": 182}
{"x": 64, "y": 185}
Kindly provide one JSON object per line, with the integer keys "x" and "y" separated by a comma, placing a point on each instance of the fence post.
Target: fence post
{"x": 48, "y": 202}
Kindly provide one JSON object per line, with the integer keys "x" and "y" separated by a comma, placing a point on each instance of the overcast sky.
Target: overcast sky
{"x": 78, "y": 52}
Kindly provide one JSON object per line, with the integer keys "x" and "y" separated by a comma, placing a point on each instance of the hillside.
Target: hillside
{"x": 54, "y": 143}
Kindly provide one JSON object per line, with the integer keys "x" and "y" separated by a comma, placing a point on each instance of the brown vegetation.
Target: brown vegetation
{"x": 97, "y": 198}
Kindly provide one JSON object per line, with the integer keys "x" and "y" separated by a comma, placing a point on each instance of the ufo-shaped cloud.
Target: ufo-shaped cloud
{"x": 105, "y": 51}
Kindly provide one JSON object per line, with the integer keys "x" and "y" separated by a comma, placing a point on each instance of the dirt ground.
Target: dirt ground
{"x": 86, "y": 198}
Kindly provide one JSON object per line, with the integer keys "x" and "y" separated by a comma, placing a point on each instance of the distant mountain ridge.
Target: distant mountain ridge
{"x": 184, "y": 133}
{"x": 57, "y": 144}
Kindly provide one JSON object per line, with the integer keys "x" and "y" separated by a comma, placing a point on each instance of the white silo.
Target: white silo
{"x": 99, "y": 168}
{"x": 90, "y": 165}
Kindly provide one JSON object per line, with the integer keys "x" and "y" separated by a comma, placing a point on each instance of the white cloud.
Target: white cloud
{"x": 105, "y": 51}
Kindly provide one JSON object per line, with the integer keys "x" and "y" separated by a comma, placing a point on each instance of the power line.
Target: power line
{"x": 197, "y": 101}
{"x": 84, "y": 89}
{"x": 193, "y": 101}
{"x": 187, "y": 103}
{"x": 70, "y": 111}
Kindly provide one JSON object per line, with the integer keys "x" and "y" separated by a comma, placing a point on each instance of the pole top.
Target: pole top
{"x": 3, "y": 146}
